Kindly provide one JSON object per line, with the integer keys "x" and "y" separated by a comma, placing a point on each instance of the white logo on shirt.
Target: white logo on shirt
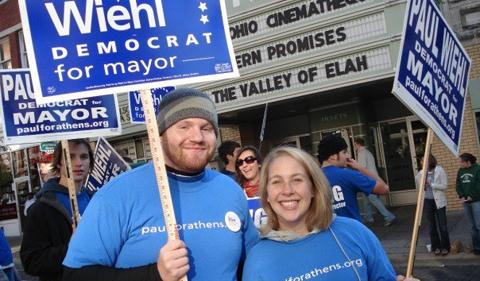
{"x": 466, "y": 178}
{"x": 338, "y": 198}
{"x": 232, "y": 221}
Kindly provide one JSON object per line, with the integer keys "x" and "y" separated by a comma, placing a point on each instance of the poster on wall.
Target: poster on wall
{"x": 432, "y": 72}
{"x": 87, "y": 48}
{"x": 26, "y": 121}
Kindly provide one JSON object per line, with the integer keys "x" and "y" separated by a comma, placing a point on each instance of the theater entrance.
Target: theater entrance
{"x": 401, "y": 144}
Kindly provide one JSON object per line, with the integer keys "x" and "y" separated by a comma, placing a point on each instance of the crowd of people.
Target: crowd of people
{"x": 311, "y": 205}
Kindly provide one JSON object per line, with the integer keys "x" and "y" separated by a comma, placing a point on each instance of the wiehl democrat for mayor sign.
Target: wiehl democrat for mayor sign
{"x": 80, "y": 48}
{"x": 432, "y": 72}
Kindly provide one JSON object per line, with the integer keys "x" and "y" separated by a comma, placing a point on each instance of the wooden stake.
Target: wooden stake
{"x": 418, "y": 213}
{"x": 72, "y": 191}
{"x": 159, "y": 164}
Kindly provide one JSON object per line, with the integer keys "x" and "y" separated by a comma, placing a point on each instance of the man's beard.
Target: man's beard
{"x": 182, "y": 161}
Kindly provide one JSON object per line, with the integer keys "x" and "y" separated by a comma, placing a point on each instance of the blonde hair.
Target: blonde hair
{"x": 320, "y": 213}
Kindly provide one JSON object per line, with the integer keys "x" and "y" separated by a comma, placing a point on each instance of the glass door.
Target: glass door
{"x": 21, "y": 188}
{"x": 402, "y": 142}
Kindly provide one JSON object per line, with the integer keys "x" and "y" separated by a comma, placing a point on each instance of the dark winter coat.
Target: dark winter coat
{"x": 46, "y": 234}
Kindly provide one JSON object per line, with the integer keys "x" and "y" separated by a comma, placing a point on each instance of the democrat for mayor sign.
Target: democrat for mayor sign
{"x": 25, "y": 121}
{"x": 432, "y": 72}
{"x": 80, "y": 48}
{"x": 107, "y": 165}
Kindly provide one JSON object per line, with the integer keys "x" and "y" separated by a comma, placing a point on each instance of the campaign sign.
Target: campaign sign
{"x": 256, "y": 211}
{"x": 135, "y": 103}
{"x": 108, "y": 164}
{"x": 81, "y": 48}
{"x": 25, "y": 121}
{"x": 432, "y": 72}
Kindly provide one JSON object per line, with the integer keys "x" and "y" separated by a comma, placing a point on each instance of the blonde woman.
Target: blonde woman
{"x": 303, "y": 239}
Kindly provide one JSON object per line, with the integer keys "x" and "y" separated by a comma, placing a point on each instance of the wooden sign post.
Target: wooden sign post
{"x": 72, "y": 192}
{"x": 419, "y": 210}
{"x": 159, "y": 164}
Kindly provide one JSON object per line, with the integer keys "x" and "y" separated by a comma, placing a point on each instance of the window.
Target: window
{"x": 470, "y": 17}
{"x": 23, "y": 50}
{"x": 5, "y": 56}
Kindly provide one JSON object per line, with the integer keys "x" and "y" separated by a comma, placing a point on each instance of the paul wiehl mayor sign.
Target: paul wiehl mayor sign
{"x": 25, "y": 121}
{"x": 432, "y": 72}
{"x": 80, "y": 48}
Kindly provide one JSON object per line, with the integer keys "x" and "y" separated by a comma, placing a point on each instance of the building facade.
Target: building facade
{"x": 18, "y": 164}
{"x": 327, "y": 67}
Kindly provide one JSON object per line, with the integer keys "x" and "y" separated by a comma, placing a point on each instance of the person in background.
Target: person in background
{"x": 367, "y": 161}
{"x": 248, "y": 166}
{"x": 435, "y": 205}
{"x": 346, "y": 176}
{"x": 303, "y": 238}
{"x": 123, "y": 233}
{"x": 468, "y": 189}
{"x": 48, "y": 227}
{"x": 228, "y": 152}
{"x": 8, "y": 272}
{"x": 30, "y": 200}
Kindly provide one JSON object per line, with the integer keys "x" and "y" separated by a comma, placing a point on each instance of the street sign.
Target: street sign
{"x": 432, "y": 72}
{"x": 25, "y": 121}
{"x": 82, "y": 48}
{"x": 48, "y": 146}
{"x": 135, "y": 104}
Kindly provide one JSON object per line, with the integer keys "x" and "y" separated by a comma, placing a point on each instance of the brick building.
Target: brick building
{"x": 18, "y": 161}
{"x": 12, "y": 47}
{"x": 464, "y": 18}
{"x": 281, "y": 51}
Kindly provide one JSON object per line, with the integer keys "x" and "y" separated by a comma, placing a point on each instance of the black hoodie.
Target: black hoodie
{"x": 46, "y": 234}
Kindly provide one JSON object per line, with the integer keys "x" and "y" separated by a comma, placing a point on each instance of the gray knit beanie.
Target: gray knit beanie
{"x": 184, "y": 103}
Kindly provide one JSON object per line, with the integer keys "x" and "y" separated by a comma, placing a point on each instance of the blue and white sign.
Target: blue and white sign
{"x": 432, "y": 72}
{"x": 108, "y": 164}
{"x": 81, "y": 48}
{"x": 25, "y": 121}
{"x": 257, "y": 212}
{"x": 135, "y": 103}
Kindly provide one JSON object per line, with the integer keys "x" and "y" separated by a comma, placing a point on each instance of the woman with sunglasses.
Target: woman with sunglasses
{"x": 248, "y": 170}
{"x": 303, "y": 239}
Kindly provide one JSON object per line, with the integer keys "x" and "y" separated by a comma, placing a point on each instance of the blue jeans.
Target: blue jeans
{"x": 472, "y": 212}
{"x": 375, "y": 201}
{"x": 3, "y": 276}
{"x": 9, "y": 274}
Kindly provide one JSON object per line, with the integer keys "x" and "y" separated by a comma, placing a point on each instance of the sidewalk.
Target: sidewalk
{"x": 396, "y": 238}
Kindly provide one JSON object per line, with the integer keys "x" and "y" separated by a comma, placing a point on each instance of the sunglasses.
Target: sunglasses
{"x": 248, "y": 160}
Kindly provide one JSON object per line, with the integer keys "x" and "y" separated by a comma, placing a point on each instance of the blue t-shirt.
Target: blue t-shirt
{"x": 124, "y": 226}
{"x": 319, "y": 257}
{"x": 6, "y": 257}
{"x": 345, "y": 185}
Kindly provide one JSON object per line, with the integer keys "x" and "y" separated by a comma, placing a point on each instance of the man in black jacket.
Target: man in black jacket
{"x": 49, "y": 220}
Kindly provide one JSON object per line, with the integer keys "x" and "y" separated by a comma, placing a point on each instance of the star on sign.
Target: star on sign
{"x": 203, "y": 6}
{"x": 204, "y": 19}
